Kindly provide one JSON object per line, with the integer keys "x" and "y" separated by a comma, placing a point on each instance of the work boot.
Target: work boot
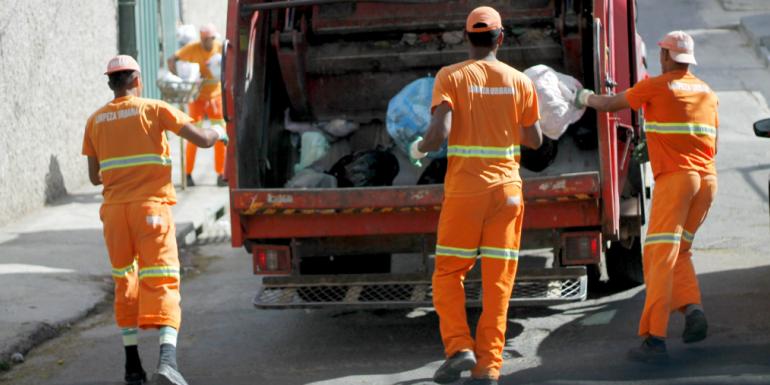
{"x": 135, "y": 374}
{"x": 190, "y": 181}
{"x": 221, "y": 181}
{"x": 652, "y": 351}
{"x": 450, "y": 370}
{"x": 480, "y": 381}
{"x": 167, "y": 374}
{"x": 695, "y": 328}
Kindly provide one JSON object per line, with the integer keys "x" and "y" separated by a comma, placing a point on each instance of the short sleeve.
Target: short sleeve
{"x": 88, "y": 145}
{"x": 641, "y": 93}
{"x": 172, "y": 119}
{"x": 187, "y": 53}
{"x": 443, "y": 91}
{"x": 530, "y": 108}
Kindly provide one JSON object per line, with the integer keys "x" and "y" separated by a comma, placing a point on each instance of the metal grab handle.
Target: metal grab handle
{"x": 222, "y": 78}
{"x": 597, "y": 55}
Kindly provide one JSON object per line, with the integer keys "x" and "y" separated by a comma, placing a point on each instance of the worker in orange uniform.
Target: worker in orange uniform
{"x": 209, "y": 101}
{"x": 486, "y": 109}
{"x": 681, "y": 126}
{"x": 127, "y": 151}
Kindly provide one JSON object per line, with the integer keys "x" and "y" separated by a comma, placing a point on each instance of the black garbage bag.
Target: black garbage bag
{"x": 538, "y": 160}
{"x": 366, "y": 168}
{"x": 434, "y": 173}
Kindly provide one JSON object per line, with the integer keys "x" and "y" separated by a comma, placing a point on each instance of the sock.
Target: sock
{"x": 168, "y": 337}
{"x": 692, "y": 307}
{"x": 130, "y": 336}
{"x": 130, "y": 342}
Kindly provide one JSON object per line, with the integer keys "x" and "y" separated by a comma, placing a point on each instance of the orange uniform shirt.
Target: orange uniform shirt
{"x": 681, "y": 122}
{"x": 490, "y": 103}
{"x": 194, "y": 53}
{"x": 127, "y": 137}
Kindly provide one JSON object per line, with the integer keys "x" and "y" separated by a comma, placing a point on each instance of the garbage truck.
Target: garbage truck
{"x": 291, "y": 67}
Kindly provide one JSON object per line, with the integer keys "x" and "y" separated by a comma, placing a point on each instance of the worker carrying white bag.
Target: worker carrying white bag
{"x": 555, "y": 93}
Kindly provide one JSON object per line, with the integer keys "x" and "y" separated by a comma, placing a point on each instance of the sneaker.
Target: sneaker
{"x": 190, "y": 181}
{"x": 450, "y": 370}
{"x": 480, "y": 381}
{"x": 221, "y": 181}
{"x": 695, "y": 328}
{"x": 652, "y": 351}
{"x": 167, "y": 375}
{"x": 135, "y": 378}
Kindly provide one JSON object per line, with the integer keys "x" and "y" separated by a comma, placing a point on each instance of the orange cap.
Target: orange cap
{"x": 680, "y": 47}
{"x": 122, "y": 63}
{"x": 483, "y": 19}
{"x": 208, "y": 30}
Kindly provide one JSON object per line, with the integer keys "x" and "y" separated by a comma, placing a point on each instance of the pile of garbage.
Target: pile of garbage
{"x": 328, "y": 161}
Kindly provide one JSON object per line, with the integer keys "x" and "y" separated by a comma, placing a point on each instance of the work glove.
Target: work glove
{"x": 415, "y": 155}
{"x": 640, "y": 154}
{"x": 221, "y": 133}
{"x": 581, "y": 98}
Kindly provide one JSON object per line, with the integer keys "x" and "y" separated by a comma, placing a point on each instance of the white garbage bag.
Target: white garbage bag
{"x": 215, "y": 66}
{"x": 186, "y": 34}
{"x": 555, "y": 93}
{"x": 313, "y": 147}
{"x": 188, "y": 71}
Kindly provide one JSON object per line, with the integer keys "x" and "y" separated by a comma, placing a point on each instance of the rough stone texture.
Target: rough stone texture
{"x": 199, "y": 12}
{"x": 52, "y": 55}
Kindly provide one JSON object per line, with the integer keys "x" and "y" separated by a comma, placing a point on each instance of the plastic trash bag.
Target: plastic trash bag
{"x": 313, "y": 147}
{"x": 188, "y": 71}
{"x": 309, "y": 178}
{"x": 409, "y": 115}
{"x": 366, "y": 168}
{"x": 555, "y": 93}
{"x": 215, "y": 66}
{"x": 186, "y": 34}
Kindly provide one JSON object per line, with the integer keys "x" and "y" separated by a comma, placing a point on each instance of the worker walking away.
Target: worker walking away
{"x": 681, "y": 126}
{"x": 487, "y": 110}
{"x": 128, "y": 153}
{"x": 209, "y": 101}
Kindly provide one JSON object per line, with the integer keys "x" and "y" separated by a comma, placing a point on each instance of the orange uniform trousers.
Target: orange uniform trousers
{"x": 680, "y": 203}
{"x": 199, "y": 109}
{"x": 141, "y": 242}
{"x": 486, "y": 225}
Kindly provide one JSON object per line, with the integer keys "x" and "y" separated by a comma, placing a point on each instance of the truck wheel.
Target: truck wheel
{"x": 624, "y": 265}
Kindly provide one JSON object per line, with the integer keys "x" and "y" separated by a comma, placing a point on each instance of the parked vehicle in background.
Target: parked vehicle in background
{"x": 762, "y": 129}
{"x": 331, "y": 60}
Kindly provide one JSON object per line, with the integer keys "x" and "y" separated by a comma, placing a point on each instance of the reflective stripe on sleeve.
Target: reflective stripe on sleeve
{"x": 688, "y": 236}
{"x": 484, "y": 152}
{"x": 133, "y": 161}
{"x": 681, "y": 128}
{"x": 456, "y": 252}
{"x": 660, "y": 238}
{"x": 159, "y": 271}
{"x": 499, "y": 253}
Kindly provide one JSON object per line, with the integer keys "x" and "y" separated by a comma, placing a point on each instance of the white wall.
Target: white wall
{"x": 52, "y": 59}
{"x": 200, "y": 12}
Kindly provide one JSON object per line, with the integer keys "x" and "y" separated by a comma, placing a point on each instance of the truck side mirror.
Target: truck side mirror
{"x": 762, "y": 128}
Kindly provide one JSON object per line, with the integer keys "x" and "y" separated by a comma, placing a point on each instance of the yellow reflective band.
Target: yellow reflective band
{"x": 456, "y": 252}
{"x": 499, "y": 253}
{"x": 133, "y": 161}
{"x": 660, "y": 238}
{"x": 159, "y": 271}
{"x": 484, "y": 152}
{"x": 122, "y": 271}
{"x": 681, "y": 128}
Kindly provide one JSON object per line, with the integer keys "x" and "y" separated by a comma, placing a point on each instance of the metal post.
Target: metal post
{"x": 127, "y": 28}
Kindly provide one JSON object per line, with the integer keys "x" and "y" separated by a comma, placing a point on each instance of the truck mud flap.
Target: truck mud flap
{"x": 534, "y": 287}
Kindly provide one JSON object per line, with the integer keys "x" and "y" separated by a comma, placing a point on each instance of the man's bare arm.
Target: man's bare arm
{"x": 203, "y": 137}
{"x": 609, "y": 103}
{"x": 93, "y": 171}
{"x": 532, "y": 136}
{"x": 438, "y": 130}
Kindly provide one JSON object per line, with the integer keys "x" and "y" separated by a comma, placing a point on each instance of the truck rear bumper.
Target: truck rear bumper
{"x": 534, "y": 287}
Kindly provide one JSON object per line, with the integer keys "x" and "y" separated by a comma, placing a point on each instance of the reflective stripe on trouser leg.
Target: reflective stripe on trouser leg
{"x": 500, "y": 240}
{"x": 459, "y": 233}
{"x": 159, "y": 272}
{"x": 120, "y": 247}
{"x": 672, "y": 197}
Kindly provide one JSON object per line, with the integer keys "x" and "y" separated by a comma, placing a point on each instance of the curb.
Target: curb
{"x": 757, "y": 29}
{"x": 187, "y": 233}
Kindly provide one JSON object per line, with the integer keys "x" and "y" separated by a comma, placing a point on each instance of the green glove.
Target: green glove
{"x": 415, "y": 155}
{"x": 581, "y": 98}
{"x": 221, "y": 133}
{"x": 640, "y": 154}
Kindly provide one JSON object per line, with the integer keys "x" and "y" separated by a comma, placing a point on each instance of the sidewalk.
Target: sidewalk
{"x": 54, "y": 268}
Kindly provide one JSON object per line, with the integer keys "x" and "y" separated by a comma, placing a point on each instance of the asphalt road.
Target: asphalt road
{"x": 224, "y": 340}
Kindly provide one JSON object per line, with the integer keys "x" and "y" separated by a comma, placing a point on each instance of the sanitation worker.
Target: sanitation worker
{"x": 209, "y": 101}
{"x": 681, "y": 127}
{"x": 127, "y": 151}
{"x": 487, "y": 110}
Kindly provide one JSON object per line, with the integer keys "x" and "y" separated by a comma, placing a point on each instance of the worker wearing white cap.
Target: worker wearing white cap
{"x": 681, "y": 126}
{"x": 127, "y": 152}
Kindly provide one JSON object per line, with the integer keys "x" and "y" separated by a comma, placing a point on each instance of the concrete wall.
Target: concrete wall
{"x": 200, "y": 12}
{"x": 52, "y": 58}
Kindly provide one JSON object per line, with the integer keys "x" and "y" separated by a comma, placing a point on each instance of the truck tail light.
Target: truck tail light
{"x": 271, "y": 259}
{"x": 581, "y": 248}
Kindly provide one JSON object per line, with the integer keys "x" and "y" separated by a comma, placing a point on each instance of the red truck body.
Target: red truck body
{"x": 301, "y": 54}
